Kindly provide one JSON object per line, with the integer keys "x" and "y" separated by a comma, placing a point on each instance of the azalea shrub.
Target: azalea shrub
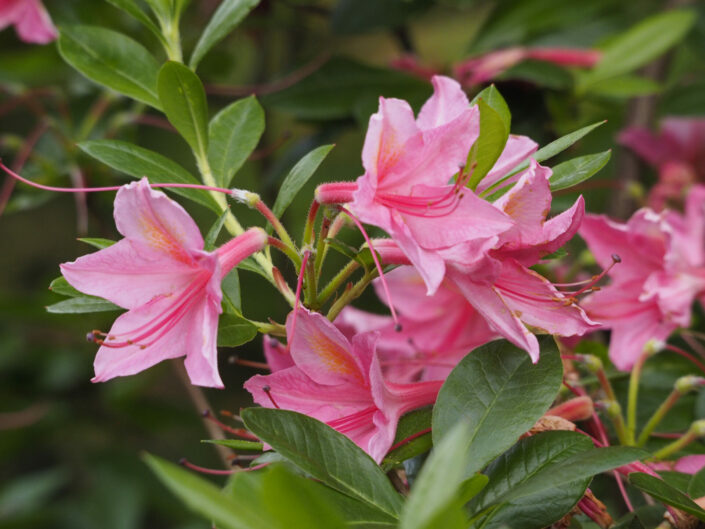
{"x": 466, "y": 329}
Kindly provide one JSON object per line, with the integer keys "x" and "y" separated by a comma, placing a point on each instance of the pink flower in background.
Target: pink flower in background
{"x": 168, "y": 283}
{"x": 662, "y": 272}
{"x": 483, "y": 68}
{"x": 339, "y": 382}
{"x": 31, "y": 20}
{"x": 437, "y": 331}
{"x": 677, "y": 151}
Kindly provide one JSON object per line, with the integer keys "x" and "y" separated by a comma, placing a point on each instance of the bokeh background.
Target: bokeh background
{"x": 69, "y": 449}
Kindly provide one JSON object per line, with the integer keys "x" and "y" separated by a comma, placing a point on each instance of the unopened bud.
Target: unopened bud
{"x": 592, "y": 362}
{"x": 613, "y": 409}
{"x": 654, "y": 346}
{"x": 698, "y": 428}
{"x": 577, "y": 409}
{"x": 689, "y": 383}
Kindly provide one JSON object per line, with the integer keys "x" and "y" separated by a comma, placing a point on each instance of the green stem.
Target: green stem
{"x": 311, "y": 284}
{"x": 310, "y": 224}
{"x": 272, "y": 328}
{"x": 172, "y": 40}
{"x": 337, "y": 281}
{"x": 321, "y": 245}
{"x": 614, "y": 412}
{"x": 658, "y": 415}
{"x": 634, "y": 380}
{"x": 351, "y": 294}
{"x": 696, "y": 430}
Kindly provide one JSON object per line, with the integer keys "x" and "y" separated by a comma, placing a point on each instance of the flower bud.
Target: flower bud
{"x": 689, "y": 383}
{"x": 577, "y": 409}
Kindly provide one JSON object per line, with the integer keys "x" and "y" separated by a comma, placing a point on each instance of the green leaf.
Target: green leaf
{"x": 184, "y": 100}
{"x": 358, "y": 514}
{"x": 80, "y": 305}
{"x": 201, "y": 496}
{"x": 518, "y": 466}
{"x": 138, "y": 162}
{"x": 489, "y": 145}
{"x": 61, "y": 286}
{"x": 325, "y": 454}
{"x": 696, "y": 487}
{"x": 133, "y": 9}
{"x": 498, "y": 391}
{"x": 298, "y": 176}
{"x": 228, "y": 15}
{"x": 492, "y": 97}
{"x": 410, "y": 424}
{"x": 341, "y": 86}
{"x": 298, "y": 502}
{"x": 577, "y": 170}
{"x": 625, "y": 86}
{"x": 232, "y": 136}
{"x": 97, "y": 242}
{"x": 234, "y": 331}
{"x": 231, "y": 292}
{"x": 113, "y": 60}
{"x": 161, "y": 8}
{"x": 353, "y": 16}
{"x": 660, "y": 490}
{"x": 640, "y": 44}
{"x": 214, "y": 231}
{"x": 236, "y": 444}
{"x": 438, "y": 484}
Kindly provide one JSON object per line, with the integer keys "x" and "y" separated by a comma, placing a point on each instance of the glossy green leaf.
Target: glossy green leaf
{"x": 298, "y": 176}
{"x": 81, "y": 305}
{"x": 135, "y": 11}
{"x": 236, "y": 444}
{"x": 231, "y": 292}
{"x": 340, "y": 87}
{"x": 204, "y": 498}
{"x": 493, "y": 98}
{"x": 438, "y": 485}
{"x": 234, "y": 331}
{"x": 62, "y": 287}
{"x": 232, "y": 136}
{"x": 640, "y": 44}
{"x": 138, "y": 162}
{"x": 228, "y": 15}
{"x": 500, "y": 393}
{"x": 660, "y": 490}
{"x": 358, "y": 514}
{"x": 113, "y": 60}
{"x": 184, "y": 101}
{"x": 489, "y": 145}
{"x": 214, "y": 231}
{"x": 517, "y": 467}
{"x": 577, "y": 170}
{"x": 97, "y": 242}
{"x": 325, "y": 454}
{"x": 696, "y": 487}
{"x": 294, "y": 501}
{"x": 410, "y": 425}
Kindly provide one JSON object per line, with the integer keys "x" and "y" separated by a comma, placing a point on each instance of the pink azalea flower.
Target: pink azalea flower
{"x": 168, "y": 283}
{"x": 662, "y": 272}
{"x": 408, "y": 164}
{"x": 483, "y": 68}
{"x": 437, "y": 331}
{"x": 677, "y": 151}
{"x": 499, "y": 285}
{"x": 339, "y": 382}
{"x": 30, "y": 19}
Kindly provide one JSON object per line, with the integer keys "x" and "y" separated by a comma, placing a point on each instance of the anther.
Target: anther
{"x": 268, "y": 391}
{"x": 398, "y": 327}
{"x": 616, "y": 258}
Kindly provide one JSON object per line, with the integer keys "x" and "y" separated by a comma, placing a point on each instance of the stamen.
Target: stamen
{"x": 299, "y": 284}
{"x": 268, "y": 391}
{"x": 235, "y": 431}
{"x": 186, "y": 463}
{"x": 397, "y": 325}
{"x": 235, "y": 359}
{"x": 615, "y": 260}
{"x": 16, "y": 176}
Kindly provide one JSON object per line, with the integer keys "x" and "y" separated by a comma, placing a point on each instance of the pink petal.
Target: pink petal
{"x": 201, "y": 342}
{"x": 472, "y": 218}
{"x": 690, "y": 464}
{"x": 278, "y": 358}
{"x": 566, "y": 56}
{"x": 517, "y": 149}
{"x": 674, "y": 294}
{"x": 321, "y": 351}
{"x": 33, "y": 23}
{"x": 630, "y": 335}
{"x": 491, "y": 305}
{"x": 647, "y": 145}
{"x": 153, "y": 219}
{"x": 10, "y": 11}
{"x": 293, "y": 390}
{"x": 527, "y": 203}
{"x": 446, "y": 104}
{"x": 130, "y": 274}
{"x": 536, "y": 302}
